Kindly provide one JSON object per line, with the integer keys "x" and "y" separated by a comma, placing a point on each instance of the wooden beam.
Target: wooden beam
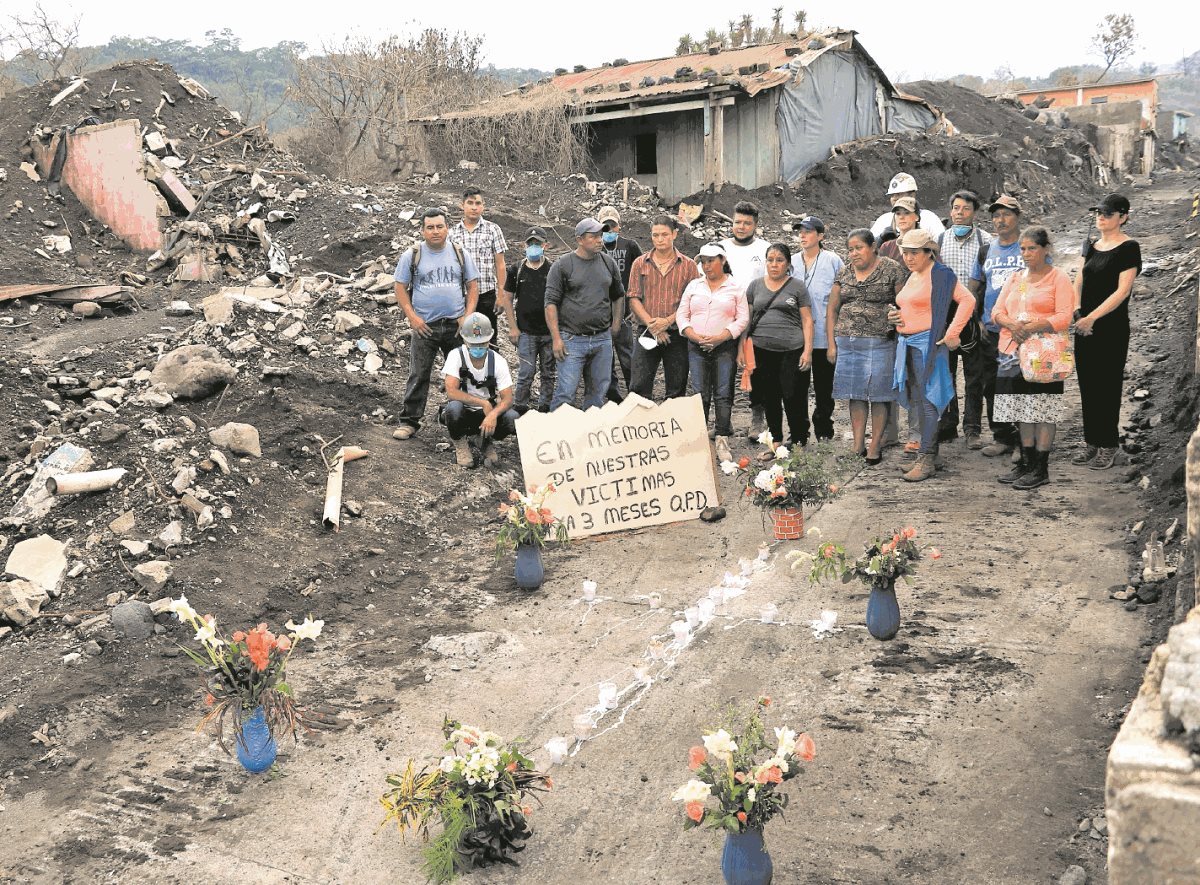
{"x": 648, "y": 110}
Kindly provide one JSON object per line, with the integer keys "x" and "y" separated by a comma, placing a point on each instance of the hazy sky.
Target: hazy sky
{"x": 911, "y": 40}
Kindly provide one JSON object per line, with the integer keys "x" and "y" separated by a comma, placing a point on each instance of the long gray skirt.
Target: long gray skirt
{"x": 864, "y": 369}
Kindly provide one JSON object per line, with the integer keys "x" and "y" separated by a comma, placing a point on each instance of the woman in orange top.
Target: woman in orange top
{"x": 1038, "y": 299}
{"x": 927, "y": 332}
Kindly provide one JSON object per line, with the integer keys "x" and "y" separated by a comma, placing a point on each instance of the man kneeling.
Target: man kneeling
{"x": 479, "y": 394}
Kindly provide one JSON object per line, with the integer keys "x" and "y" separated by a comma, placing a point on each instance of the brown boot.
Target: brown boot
{"x": 463, "y": 454}
{"x": 925, "y": 468}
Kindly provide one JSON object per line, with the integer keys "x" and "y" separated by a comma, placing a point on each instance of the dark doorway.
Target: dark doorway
{"x": 645, "y": 149}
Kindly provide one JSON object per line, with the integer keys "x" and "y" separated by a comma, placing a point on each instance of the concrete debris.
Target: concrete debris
{"x": 172, "y": 535}
{"x": 179, "y": 309}
{"x": 193, "y": 371}
{"x": 1074, "y": 875}
{"x": 344, "y": 321}
{"x": 123, "y": 524}
{"x": 37, "y": 501}
{"x": 218, "y": 458}
{"x": 135, "y": 549}
{"x": 31, "y": 171}
{"x": 41, "y": 560}
{"x": 21, "y": 601}
{"x": 241, "y": 439}
{"x": 1181, "y": 676}
{"x": 372, "y": 364}
{"x": 86, "y": 309}
{"x": 153, "y": 575}
{"x": 134, "y": 619}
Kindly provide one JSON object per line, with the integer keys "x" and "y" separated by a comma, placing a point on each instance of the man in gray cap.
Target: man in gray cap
{"x": 624, "y": 252}
{"x": 479, "y": 394}
{"x": 584, "y": 296}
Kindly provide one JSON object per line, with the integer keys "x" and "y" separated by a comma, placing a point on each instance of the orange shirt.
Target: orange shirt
{"x": 1050, "y": 298}
{"x": 916, "y": 315}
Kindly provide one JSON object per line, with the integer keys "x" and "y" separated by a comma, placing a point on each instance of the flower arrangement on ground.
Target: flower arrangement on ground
{"x": 882, "y": 562}
{"x": 528, "y": 521}
{"x": 245, "y": 672}
{"x": 735, "y": 779}
{"x": 800, "y": 475}
{"x": 478, "y": 792}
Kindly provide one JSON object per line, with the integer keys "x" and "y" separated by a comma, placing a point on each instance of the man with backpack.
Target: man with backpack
{"x": 624, "y": 252}
{"x": 964, "y": 248}
{"x": 479, "y": 394}
{"x": 524, "y": 303}
{"x": 584, "y": 305}
{"x": 436, "y": 286}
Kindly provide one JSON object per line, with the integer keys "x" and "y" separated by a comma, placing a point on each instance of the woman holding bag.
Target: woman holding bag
{"x": 1033, "y": 312}
{"x": 781, "y": 329}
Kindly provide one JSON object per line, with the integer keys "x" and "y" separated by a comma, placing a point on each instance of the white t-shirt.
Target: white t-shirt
{"x": 748, "y": 262}
{"x": 929, "y": 223}
{"x": 476, "y": 377}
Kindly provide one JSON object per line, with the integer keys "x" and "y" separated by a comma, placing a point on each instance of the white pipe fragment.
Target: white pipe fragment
{"x": 332, "y": 518}
{"x": 79, "y": 483}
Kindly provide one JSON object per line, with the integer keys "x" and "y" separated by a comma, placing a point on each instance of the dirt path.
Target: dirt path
{"x": 966, "y": 750}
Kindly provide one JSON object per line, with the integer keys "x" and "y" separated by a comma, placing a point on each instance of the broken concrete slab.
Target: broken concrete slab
{"x": 37, "y": 500}
{"x": 21, "y": 601}
{"x": 153, "y": 575}
{"x": 193, "y": 371}
{"x": 218, "y": 309}
{"x": 241, "y": 439}
{"x": 135, "y": 548}
{"x": 41, "y": 560}
{"x": 345, "y": 321}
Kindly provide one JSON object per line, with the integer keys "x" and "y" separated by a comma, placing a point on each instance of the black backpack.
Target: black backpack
{"x": 489, "y": 381}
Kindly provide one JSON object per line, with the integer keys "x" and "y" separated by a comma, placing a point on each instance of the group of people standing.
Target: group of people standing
{"x": 883, "y": 331}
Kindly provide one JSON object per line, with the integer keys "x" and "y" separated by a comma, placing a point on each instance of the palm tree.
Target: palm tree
{"x": 777, "y": 21}
{"x": 761, "y": 35}
{"x": 800, "y": 17}
{"x": 685, "y": 45}
{"x": 713, "y": 37}
{"x": 747, "y": 26}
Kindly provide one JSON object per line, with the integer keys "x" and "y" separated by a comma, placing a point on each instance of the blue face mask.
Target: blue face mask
{"x": 478, "y": 351}
{"x": 961, "y": 230}
{"x": 609, "y": 237}
{"x": 533, "y": 253}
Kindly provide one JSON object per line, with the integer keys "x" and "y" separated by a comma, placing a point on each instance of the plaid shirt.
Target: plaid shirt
{"x": 660, "y": 293}
{"x": 483, "y": 245}
{"x": 962, "y": 257}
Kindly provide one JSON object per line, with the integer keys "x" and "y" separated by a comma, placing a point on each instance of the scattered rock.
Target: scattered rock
{"x": 123, "y": 524}
{"x": 20, "y": 601}
{"x": 218, "y": 309}
{"x": 42, "y": 560}
{"x": 241, "y": 439}
{"x": 344, "y": 321}
{"x": 136, "y": 548}
{"x": 72, "y": 658}
{"x": 86, "y": 309}
{"x": 172, "y": 535}
{"x": 135, "y": 619}
{"x": 153, "y": 575}
{"x": 193, "y": 371}
{"x": 112, "y": 433}
{"x": 218, "y": 458}
{"x": 180, "y": 309}
{"x": 1075, "y": 875}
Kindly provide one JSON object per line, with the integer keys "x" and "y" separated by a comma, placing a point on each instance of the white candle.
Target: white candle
{"x": 608, "y": 695}
{"x": 584, "y": 726}
{"x": 589, "y": 590}
{"x": 557, "y": 748}
{"x": 655, "y": 600}
{"x": 747, "y": 567}
{"x": 717, "y": 595}
{"x": 769, "y": 612}
{"x": 763, "y": 552}
{"x": 692, "y": 615}
{"x": 706, "y": 608}
{"x": 681, "y": 631}
{"x": 656, "y": 649}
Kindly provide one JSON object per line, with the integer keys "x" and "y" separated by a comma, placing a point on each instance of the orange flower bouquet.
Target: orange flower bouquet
{"x": 245, "y": 676}
{"x": 735, "y": 779}
{"x": 528, "y": 521}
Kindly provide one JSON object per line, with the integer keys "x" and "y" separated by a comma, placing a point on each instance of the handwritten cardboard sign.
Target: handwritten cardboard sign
{"x": 626, "y": 465}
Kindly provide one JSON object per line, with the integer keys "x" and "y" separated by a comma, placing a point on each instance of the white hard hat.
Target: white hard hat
{"x": 476, "y": 329}
{"x": 901, "y": 183}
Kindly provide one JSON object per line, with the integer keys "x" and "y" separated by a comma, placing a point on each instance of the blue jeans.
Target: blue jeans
{"x": 674, "y": 358}
{"x": 461, "y": 420}
{"x": 536, "y": 357}
{"x": 712, "y": 377}
{"x": 589, "y": 358}
{"x": 924, "y": 412}
{"x": 421, "y": 354}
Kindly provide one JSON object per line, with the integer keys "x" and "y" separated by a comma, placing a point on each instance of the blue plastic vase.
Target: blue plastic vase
{"x": 883, "y": 612}
{"x": 745, "y": 860}
{"x": 255, "y": 747}
{"x": 528, "y": 570}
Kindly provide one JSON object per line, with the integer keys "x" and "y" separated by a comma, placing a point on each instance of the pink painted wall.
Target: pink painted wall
{"x": 104, "y": 171}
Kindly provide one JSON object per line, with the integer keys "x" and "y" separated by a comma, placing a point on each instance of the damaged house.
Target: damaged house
{"x": 750, "y": 116}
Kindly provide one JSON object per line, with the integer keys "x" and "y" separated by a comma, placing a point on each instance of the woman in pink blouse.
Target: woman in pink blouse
{"x": 1038, "y": 299}
{"x": 712, "y": 315}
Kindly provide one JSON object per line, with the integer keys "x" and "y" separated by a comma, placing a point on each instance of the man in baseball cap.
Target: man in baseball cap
{"x": 1002, "y": 260}
{"x": 479, "y": 394}
{"x": 624, "y": 252}
{"x": 524, "y": 303}
{"x": 584, "y": 296}
{"x": 904, "y": 185}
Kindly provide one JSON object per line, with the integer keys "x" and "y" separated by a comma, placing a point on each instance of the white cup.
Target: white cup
{"x": 769, "y": 613}
{"x": 681, "y": 630}
{"x": 584, "y": 726}
{"x": 557, "y": 748}
{"x": 608, "y": 695}
{"x": 692, "y": 615}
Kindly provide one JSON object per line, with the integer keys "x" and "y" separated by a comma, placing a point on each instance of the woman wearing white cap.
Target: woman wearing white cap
{"x": 712, "y": 315}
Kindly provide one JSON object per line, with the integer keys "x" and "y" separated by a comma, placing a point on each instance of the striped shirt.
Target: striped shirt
{"x": 660, "y": 293}
{"x": 483, "y": 245}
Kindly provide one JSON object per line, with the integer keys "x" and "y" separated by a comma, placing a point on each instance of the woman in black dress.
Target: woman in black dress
{"x": 1102, "y": 291}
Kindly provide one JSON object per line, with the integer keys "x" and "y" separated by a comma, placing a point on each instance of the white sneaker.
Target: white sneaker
{"x": 722, "y": 446}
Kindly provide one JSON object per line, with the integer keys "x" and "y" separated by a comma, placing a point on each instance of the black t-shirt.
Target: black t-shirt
{"x": 624, "y": 252}
{"x": 529, "y": 299}
{"x": 1101, "y": 277}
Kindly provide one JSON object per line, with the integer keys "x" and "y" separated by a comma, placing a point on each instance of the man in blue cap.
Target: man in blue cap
{"x": 584, "y": 302}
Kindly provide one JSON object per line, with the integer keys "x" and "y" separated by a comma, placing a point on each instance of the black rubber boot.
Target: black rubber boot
{"x": 1021, "y": 467}
{"x": 1038, "y": 476}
